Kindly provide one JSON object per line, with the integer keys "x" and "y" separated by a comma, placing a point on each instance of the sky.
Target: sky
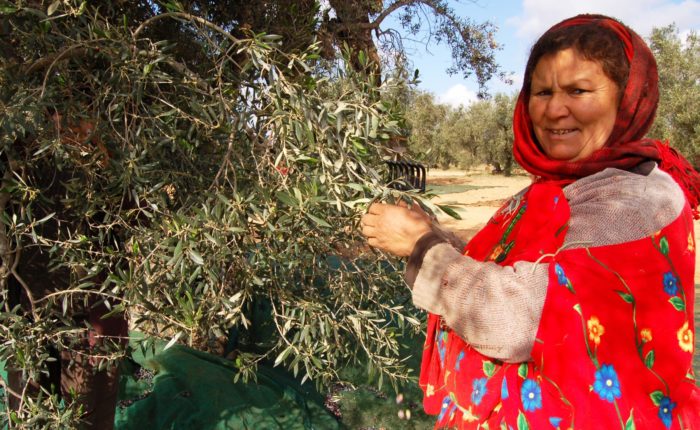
{"x": 520, "y": 22}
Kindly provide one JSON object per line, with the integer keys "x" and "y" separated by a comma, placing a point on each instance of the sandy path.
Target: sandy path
{"x": 475, "y": 206}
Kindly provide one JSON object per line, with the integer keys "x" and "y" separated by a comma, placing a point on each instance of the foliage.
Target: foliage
{"x": 199, "y": 189}
{"x": 480, "y": 133}
{"x": 358, "y": 22}
{"x": 496, "y": 142}
{"x": 424, "y": 117}
{"x": 359, "y": 27}
{"x": 679, "y": 67}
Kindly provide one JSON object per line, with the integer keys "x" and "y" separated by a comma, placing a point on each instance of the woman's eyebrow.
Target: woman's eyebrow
{"x": 562, "y": 84}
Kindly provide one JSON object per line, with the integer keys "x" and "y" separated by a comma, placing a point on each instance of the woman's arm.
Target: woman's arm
{"x": 497, "y": 308}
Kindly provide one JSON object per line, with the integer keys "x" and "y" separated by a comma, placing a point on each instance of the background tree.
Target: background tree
{"x": 453, "y": 139}
{"x": 481, "y": 133}
{"x": 424, "y": 118}
{"x": 498, "y": 149}
{"x": 361, "y": 24}
{"x": 679, "y": 68}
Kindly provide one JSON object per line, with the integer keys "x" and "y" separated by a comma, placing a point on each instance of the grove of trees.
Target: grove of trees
{"x": 462, "y": 137}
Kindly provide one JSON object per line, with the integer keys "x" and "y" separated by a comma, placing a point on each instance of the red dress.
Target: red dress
{"x": 614, "y": 347}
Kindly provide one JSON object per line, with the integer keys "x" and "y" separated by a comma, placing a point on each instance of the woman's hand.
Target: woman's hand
{"x": 395, "y": 229}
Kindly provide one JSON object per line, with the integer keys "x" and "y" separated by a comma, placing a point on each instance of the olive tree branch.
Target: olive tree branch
{"x": 6, "y": 386}
{"x": 9, "y": 258}
{"x": 186, "y": 16}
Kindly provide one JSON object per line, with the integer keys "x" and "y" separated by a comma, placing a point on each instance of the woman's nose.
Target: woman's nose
{"x": 557, "y": 105}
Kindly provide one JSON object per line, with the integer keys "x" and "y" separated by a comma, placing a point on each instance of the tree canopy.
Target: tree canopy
{"x": 199, "y": 167}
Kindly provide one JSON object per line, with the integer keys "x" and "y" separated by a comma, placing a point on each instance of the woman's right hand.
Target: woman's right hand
{"x": 395, "y": 228}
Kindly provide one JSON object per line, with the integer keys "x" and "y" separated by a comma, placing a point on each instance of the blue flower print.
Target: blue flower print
{"x": 441, "y": 344}
{"x": 531, "y": 395}
{"x": 606, "y": 384}
{"x": 447, "y": 408}
{"x": 459, "y": 358}
{"x": 478, "y": 390}
{"x": 561, "y": 276}
{"x": 670, "y": 284}
{"x": 555, "y": 421}
{"x": 666, "y": 406}
{"x": 504, "y": 389}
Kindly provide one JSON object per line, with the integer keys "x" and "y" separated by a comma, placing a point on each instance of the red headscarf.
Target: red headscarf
{"x": 626, "y": 147}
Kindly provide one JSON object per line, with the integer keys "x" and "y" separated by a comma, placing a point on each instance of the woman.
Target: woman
{"x": 573, "y": 307}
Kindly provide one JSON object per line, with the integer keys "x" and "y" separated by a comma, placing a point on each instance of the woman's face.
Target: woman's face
{"x": 573, "y": 105}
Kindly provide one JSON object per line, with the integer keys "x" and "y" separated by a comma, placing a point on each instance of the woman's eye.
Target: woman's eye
{"x": 578, "y": 91}
{"x": 542, "y": 93}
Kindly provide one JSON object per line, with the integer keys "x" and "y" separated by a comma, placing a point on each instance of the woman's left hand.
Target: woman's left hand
{"x": 395, "y": 229}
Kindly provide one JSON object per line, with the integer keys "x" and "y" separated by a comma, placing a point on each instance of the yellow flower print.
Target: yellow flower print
{"x": 685, "y": 338}
{"x": 468, "y": 415}
{"x": 595, "y": 330}
{"x": 496, "y": 252}
{"x": 645, "y": 334}
{"x": 430, "y": 391}
{"x": 691, "y": 242}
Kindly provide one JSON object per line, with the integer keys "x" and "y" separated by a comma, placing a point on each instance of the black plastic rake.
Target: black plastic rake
{"x": 404, "y": 175}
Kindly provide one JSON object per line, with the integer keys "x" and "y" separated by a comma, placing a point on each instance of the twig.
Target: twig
{"x": 7, "y": 258}
{"x": 72, "y": 51}
{"x": 5, "y": 253}
{"x": 112, "y": 296}
{"x": 79, "y": 291}
{"x": 24, "y": 393}
{"x": 229, "y": 151}
{"x": 69, "y": 52}
{"x": 6, "y": 387}
{"x": 24, "y": 285}
{"x": 187, "y": 16}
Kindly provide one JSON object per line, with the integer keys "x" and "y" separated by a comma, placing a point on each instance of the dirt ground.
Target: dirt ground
{"x": 475, "y": 206}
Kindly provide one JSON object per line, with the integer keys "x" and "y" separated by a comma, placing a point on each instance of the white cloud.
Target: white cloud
{"x": 457, "y": 95}
{"x": 640, "y": 15}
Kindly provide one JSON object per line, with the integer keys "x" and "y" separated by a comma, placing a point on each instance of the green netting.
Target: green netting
{"x": 181, "y": 388}
{"x": 195, "y": 390}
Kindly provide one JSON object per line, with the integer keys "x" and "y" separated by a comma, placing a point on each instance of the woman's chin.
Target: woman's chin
{"x": 562, "y": 156}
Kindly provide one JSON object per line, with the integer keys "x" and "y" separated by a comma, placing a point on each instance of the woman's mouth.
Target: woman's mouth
{"x": 561, "y": 132}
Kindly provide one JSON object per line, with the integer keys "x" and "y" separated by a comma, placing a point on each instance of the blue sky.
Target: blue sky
{"x": 519, "y": 24}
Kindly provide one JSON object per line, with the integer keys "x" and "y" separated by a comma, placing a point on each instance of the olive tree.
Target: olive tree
{"x": 188, "y": 189}
{"x": 679, "y": 90}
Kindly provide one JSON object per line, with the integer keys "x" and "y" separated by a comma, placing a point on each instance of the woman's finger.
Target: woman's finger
{"x": 377, "y": 208}
{"x": 368, "y": 220}
{"x": 374, "y": 243}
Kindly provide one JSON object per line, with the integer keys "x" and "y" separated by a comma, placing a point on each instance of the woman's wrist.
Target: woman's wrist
{"x": 415, "y": 259}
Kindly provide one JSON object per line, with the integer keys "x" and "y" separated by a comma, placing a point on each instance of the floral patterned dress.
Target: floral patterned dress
{"x": 615, "y": 341}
